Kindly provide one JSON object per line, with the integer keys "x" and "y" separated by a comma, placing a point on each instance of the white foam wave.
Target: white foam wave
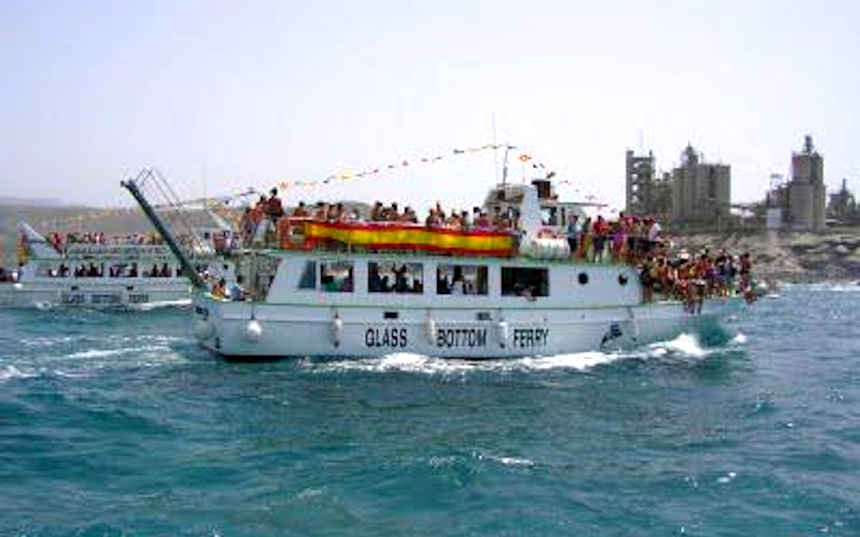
{"x": 149, "y": 306}
{"x": 835, "y": 287}
{"x": 104, "y": 353}
{"x": 512, "y": 461}
{"x": 417, "y": 363}
{"x": 728, "y": 478}
{"x": 684, "y": 344}
{"x": 10, "y": 372}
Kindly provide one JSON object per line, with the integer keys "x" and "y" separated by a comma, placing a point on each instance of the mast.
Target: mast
{"x": 508, "y": 147}
{"x": 168, "y": 237}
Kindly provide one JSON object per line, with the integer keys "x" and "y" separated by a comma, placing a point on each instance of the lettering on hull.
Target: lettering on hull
{"x": 391, "y": 338}
{"x": 530, "y": 337}
{"x": 461, "y": 337}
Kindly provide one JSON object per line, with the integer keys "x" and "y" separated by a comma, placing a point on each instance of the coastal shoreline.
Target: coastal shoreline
{"x": 791, "y": 257}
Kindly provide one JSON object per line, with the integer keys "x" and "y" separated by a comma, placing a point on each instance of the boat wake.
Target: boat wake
{"x": 832, "y": 287}
{"x": 683, "y": 347}
{"x": 84, "y": 356}
{"x": 149, "y": 306}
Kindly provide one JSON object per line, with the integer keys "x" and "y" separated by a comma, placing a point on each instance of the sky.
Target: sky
{"x": 219, "y": 96}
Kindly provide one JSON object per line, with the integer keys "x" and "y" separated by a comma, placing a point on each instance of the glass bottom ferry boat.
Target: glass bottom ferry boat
{"x": 370, "y": 289}
{"x": 97, "y": 275}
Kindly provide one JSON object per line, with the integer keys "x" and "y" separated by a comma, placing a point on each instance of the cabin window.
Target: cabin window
{"x": 336, "y": 277}
{"x": 395, "y": 277}
{"x": 89, "y": 270}
{"x": 461, "y": 280}
{"x": 158, "y": 271}
{"x": 622, "y": 279}
{"x": 117, "y": 270}
{"x": 309, "y": 276}
{"x": 525, "y": 281}
{"x": 583, "y": 278}
{"x": 549, "y": 216}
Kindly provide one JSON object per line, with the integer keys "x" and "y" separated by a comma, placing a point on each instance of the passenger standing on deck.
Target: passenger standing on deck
{"x": 274, "y": 209}
{"x": 573, "y": 229}
{"x": 301, "y": 211}
{"x": 601, "y": 232}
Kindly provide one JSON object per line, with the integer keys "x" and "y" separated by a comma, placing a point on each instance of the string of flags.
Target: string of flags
{"x": 342, "y": 175}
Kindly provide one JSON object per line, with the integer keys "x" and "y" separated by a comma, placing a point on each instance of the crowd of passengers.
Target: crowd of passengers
{"x": 631, "y": 239}
{"x": 60, "y": 240}
{"x": 268, "y": 210}
{"x": 691, "y": 279}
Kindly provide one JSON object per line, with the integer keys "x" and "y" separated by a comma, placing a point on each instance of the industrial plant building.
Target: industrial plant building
{"x": 701, "y": 191}
{"x": 646, "y": 192}
{"x": 799, "y": 203}
{"x": 806, "y": 191}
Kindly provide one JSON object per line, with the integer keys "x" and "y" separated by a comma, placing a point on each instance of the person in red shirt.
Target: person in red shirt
{"x": 601, "y": 231}
{"x": 274, "y": 209}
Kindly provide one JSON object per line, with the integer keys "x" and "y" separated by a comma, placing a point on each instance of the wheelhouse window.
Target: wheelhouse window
{"x": 528, "y": 282}
{"x": 461, "y": 280}
{"x": 395, "y": 277}
{"x": 336, "y": 277}
{"x": 549, "y": 216}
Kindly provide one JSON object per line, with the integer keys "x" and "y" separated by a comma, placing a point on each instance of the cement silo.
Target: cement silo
{"x": 806, "y": 191}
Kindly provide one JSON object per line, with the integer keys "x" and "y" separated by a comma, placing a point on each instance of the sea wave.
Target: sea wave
{"x": 827, "y": 286}
{"x": 10, "y": 372}
{"x": 684, "y": 346}
{"x": 149, "y": 306}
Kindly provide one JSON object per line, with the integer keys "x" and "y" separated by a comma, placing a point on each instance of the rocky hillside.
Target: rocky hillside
{"x": 792, "y": 257}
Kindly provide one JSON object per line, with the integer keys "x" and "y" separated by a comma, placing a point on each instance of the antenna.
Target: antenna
{"x": 505, "y": 166}
{"x": 495, "y": 148}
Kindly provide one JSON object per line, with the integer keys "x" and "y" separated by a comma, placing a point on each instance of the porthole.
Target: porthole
{"x": 622, "y": 279}
{"x": 583, "y": 278}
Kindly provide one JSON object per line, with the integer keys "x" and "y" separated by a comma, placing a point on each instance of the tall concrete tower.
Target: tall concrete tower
{"x": 806, "y": 191}
{"x": 701, "y": 192}
{"x": 640, "y": 183}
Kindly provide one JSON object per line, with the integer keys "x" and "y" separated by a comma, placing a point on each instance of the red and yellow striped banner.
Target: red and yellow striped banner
{"x": 395, "y": 236}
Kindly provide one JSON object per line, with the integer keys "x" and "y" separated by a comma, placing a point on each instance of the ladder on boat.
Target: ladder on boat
{"x": 172, "y": 219}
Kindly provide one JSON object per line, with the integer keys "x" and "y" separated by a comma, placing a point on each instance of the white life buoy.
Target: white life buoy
{"x": 431, "y": 331}
{"x": 253, "y": 331}
{"x": 336, "y": 330}
{"x": 502, "y": 333}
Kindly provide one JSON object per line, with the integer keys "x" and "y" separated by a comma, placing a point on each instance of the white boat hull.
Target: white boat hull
{"x": 93, "y": 294}
{"x": 246, "y": 330}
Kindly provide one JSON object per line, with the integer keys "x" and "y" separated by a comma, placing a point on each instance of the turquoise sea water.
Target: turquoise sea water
{"x": 115, "y": 423}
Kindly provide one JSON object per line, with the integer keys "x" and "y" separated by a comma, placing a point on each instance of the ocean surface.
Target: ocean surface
{"x": 116, "y": 424}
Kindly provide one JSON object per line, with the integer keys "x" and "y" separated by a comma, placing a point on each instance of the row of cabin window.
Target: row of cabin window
{"x": 97, "y": 270}
{"x": 408, "y": 278}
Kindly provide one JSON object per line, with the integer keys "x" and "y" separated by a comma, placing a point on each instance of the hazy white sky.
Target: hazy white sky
{"x": 233, "y": 94}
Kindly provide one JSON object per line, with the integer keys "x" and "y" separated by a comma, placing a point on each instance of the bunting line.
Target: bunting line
{"x": 285, "y": 185}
